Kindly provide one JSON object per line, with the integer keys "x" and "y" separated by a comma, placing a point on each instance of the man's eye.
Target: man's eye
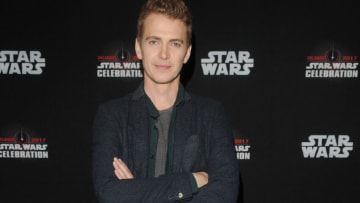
{"x": 153, "y": 42}
{"x": 176, "y": 44}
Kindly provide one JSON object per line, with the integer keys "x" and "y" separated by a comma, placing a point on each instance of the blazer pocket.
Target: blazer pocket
{"x": 194, "y": 155}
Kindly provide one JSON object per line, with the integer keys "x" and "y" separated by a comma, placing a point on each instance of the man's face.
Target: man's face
{"x": 163, "y": 49}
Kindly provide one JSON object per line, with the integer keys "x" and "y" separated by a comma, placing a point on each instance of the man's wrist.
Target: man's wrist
{"x": 201, "y": 178}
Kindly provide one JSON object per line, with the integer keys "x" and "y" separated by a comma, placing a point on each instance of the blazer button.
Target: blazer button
{"x": 180, "y": 195}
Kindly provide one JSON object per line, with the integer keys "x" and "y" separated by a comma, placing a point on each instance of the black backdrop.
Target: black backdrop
{"x": 275, "y": 108}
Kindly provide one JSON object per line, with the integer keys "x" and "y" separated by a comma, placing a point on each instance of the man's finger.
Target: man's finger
{"x": 121, "y": 169}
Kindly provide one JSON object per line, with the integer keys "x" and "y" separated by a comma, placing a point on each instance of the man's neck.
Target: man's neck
{"x": 163, "y": 96}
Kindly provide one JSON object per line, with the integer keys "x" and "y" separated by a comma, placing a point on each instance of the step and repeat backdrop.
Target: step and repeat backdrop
{"x": 287, "y": 73}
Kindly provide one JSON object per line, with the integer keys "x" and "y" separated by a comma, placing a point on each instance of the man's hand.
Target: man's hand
{"x": 201, "y": 178}
{"x": 121, "y": 169}
{"x": 123, "y": 172}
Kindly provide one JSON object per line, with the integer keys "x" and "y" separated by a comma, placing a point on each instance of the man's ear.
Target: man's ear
{"x": 138, "y": 49}
{"x": 188, "y": 54}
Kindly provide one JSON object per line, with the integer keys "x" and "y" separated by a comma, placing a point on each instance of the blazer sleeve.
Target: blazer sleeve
{"x": 174, "y": 187}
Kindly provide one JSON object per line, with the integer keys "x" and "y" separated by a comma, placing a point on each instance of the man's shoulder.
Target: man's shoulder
{"x": 203, "y": 98}
{"x": 118, "y": 104}
{"x": 204, "y": 102}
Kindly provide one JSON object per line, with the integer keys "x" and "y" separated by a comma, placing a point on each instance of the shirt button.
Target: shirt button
{"x": 180, "y": 195}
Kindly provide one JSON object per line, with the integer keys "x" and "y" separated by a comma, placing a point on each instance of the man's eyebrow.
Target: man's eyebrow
{"x": 177, "y": 40}
{"x": 152, "y": 37}
{"x": 158, "y": 38}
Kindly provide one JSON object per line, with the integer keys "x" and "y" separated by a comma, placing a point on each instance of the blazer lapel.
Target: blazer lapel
{"x": 183, "y": 130}
{"x": 139, "y": 136}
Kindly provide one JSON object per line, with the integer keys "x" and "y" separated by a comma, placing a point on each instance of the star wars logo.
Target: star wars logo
{"x": 332, "y": 65}
{"x": 23, "y": 146}
{"x": 21, "y": 62}
{"x": 327, "y": 146}
{"x": 227, "y": 63}
{"x": 120, "y": 65}
{"x": 242, "y": 148}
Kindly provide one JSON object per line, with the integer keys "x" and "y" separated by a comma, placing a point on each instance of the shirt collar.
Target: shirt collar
{"x": 152, "y": 109}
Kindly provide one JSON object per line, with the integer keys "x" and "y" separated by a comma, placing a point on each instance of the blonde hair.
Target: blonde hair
{"x": 175, "y": 9}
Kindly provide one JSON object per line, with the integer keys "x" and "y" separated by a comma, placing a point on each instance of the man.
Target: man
{"x": 162, "y": 143}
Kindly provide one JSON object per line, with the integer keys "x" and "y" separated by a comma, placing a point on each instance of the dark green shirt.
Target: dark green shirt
{"x": 154, "y": 135}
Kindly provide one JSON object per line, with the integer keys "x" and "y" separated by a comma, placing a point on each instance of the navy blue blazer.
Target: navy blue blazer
{"x": 202, "y": 142}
